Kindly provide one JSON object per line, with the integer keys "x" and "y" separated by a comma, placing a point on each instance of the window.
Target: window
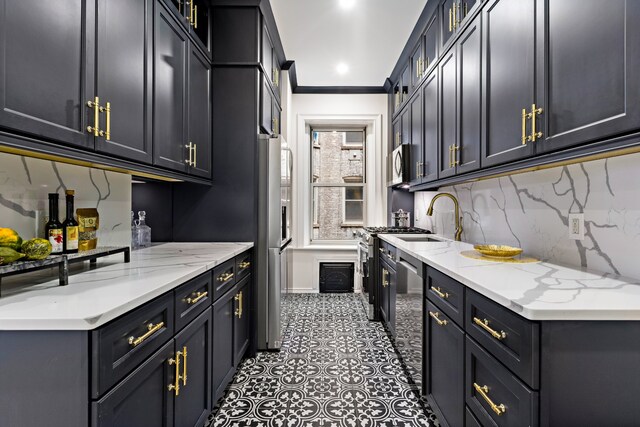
{"x": 337, "y": 183}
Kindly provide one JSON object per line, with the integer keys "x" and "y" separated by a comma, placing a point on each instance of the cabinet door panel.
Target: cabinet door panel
{"x": 448, "y": 113}
{"x": 469, "y": 91}
{"x": 142, "y": 399}
{"x": 47, "y": 69}
{"x": 193, "y": 404}
{"x": 430, "y": 147}
{"x": 592, "y": 72}
{"x": 124, "y": 77}
{"x": 509, "y": 85}
{"x": 200, "y": 113}
{"x": 243, "y": 320}
{"x": 430, "y": 41}
{"x": 384, "y": 291}
{"x": 392, "y": 293}
{"x": 416, "y": 169}
{"x": 267, "y": 54}
{"x": 223, "y": 351}
{"x": 445, "y": 366}
{"x": 170, "y": 92}
{"x": 266, "y": 112}
{"x": 417, "y": 56}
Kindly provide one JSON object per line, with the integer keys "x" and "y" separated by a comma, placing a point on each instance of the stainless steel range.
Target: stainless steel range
{"x": 368, "y": 245}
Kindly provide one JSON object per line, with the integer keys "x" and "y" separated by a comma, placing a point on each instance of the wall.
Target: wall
{"x": 25, "y": 183}
{"x": 369, "y": 110}
{"x": 531, "y": 210}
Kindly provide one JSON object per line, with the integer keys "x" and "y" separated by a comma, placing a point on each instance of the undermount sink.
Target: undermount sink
{"x": 418, "y": 238}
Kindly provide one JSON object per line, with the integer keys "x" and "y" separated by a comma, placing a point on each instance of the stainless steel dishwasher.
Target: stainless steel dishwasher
{"x": 409, "y": 309}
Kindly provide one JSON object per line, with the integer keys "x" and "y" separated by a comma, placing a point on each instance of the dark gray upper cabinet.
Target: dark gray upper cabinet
{"x": 200, "y": 112}
{"x": 170, "y": 92}
{"x": 444, "y": 363}
{"x": 267, "y": 53}
{"x": 124, "y": 76}
{"x": 448, "y": 113}
{"x": 194, "y": 17}
{"x": 397, "y": 133}
{"x": 417, "y": 64}
{"x": 47, "y": 69}
{"x": 430, "y": 119}
{"x": 469, "y": 54}
{"x": 397, "y": 95}
{"x": 405, "y": 126}
{"x": 269, "y": 110}
{"x": 193, "y": 403}
{"x": 591, "y": 71}
{"x": 416, "y": 161}
{"x": 406, "y": 83}
{"x": 454, "y": 14}
{"x": 430, "y": 41}
{"x": 509, "y": 88}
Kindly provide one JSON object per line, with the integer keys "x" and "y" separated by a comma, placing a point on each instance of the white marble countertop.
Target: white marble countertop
{"x": 94, "y": 297}
{"x": 536, "y": 291}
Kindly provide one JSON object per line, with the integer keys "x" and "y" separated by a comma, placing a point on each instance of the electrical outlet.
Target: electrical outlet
{"x": 576, "y": 226}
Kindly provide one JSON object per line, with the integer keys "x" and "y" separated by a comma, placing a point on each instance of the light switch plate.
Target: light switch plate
{"x": 576, "y": 226}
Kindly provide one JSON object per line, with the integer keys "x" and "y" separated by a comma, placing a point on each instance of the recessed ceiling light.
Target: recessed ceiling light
{"x": 347, "y": 4}
{"x": 342, "y": 68}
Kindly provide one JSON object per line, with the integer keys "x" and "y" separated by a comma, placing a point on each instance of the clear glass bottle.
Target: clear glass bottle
{"x": 134, "y": 232}
{"x": 144, "y": 231}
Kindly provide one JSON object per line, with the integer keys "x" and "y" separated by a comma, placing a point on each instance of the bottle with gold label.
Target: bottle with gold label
{"x": 53, "y": 229}
{"x": 70, "y": 226}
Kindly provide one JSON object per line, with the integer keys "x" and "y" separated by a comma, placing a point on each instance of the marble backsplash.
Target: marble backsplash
{"x": 530, "y": 210}
{"x": 25, "y": 183}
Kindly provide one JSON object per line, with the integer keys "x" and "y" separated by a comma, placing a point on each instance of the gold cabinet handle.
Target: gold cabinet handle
{"x": 436, "y": 317}
{"x": 484, "y": 324}
{"x": 224, "y": 277}
{"x": 385, "y": 274}
{"x": 198, "y": 297}
{"x": 189, "y": 147}
{"x": 438, "y": 291}
{"x": 238, "y": 311}
{"x": 191, "y": 6}
{"x": 450, "y": 20}
{"x": 184, "y": 366}
{"x": 244, "y": 264}
{"x": 525, "y": 116}
{"x": 456, "y": 15}
{"x": 151, "y": 329}
{"x": 195, "y": 155}
{"x": 175, "y": 387}
{"x": 450, "y": 156}
{"x": 455, "y": 160}
{"x": 195, "y": 18}
{"x": 484, "y": 392}
{"x": 534, "y": 112}
{"x": 107, "y": 133}
{"x": 455, "y": 20}
{"x": 95, "y": 104}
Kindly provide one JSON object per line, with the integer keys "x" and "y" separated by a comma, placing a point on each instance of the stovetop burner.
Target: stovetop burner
{"x": 396, "y": 230}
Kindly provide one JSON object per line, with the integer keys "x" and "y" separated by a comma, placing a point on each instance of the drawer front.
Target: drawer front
{"x": 511, "y": 339}
{"x": 243, "y": 265}
{"x": 470, "y": 420}
{"x": 224, "y": 277}
{"x": 447, "y": 294}
{"x": 495, "y": 395}
{"x": 120, "y": 346}
{"x": 193, "y": 298}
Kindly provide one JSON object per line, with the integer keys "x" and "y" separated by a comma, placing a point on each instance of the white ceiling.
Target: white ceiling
{"x": 320, "y": 34}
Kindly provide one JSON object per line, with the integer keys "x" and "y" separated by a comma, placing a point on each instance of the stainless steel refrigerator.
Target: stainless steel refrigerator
{"x": 276, "y": 168}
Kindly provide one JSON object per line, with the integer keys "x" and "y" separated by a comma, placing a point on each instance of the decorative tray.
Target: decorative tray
{"x": 63, "y": 261}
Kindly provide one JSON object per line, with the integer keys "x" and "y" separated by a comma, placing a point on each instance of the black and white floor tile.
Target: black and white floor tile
{"x": 335, "y": 369}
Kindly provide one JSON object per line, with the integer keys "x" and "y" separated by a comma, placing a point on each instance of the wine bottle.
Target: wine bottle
{"x": 70, "y": 226}
{"x": 53, "y": 228}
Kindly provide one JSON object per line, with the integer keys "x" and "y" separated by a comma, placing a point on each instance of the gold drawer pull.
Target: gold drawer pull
{"x": 151, "y": 329}
{"x": 225, "y": 277}
{"x": 184, "y": 366}
{"x": 385, "y": 274}
{"x": 484, "y": 324}
{"x": 484, "y": 392}
{"x": 175, "y": 387}
{"x": 438, "y": 291}
{"x": 198, "y": 297}
{"x": 95, "y": 104}
{"x": 534, "y": 112}
{"x": 244, "y": 264}
{"x": 437, "y": 318}
{"x": 106, "y": 109}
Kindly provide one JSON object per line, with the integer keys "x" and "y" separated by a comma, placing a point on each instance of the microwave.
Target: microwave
{"x": 398, "y": 165}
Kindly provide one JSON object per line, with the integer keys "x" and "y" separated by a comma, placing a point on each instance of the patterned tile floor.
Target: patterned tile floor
{"x": 335, "y": 369}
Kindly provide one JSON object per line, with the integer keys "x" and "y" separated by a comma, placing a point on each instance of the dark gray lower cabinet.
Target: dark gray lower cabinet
{"x": 242, "y": 327}
{"x": 193, "y": 404}
{"x": 223, "y": 350}
{"x": 444, "y": 361}
{"x": 142, "y": 399}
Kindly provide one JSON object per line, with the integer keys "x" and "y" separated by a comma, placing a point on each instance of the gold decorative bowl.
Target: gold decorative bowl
{"x": 498, "y": 251}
